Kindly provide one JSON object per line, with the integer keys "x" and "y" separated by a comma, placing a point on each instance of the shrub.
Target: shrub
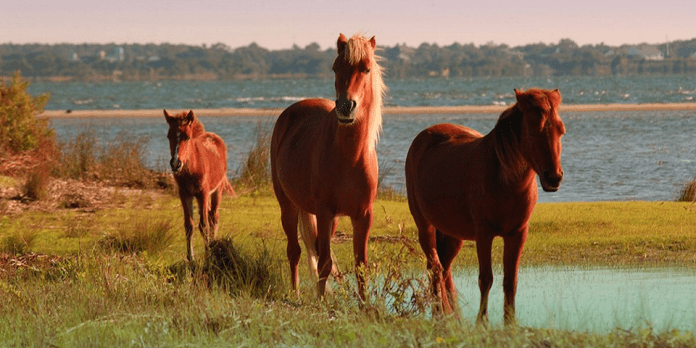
{"x": 138, "y": 236}
{"x": 20, "y": 129}
{"x": 257, "y": 274}
{"x": 36, "y": 185}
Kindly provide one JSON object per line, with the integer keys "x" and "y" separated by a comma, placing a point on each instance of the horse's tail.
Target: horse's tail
{"x": 307, "y": 224}
{"x": 226, "y": 187}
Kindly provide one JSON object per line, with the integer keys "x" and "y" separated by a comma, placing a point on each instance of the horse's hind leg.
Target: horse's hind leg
{"x": 447, "y": 249}
{"x": 214, "y": 214}
{"x": 512, "y": 251}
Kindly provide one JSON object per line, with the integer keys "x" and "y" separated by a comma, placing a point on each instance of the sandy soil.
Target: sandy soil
{"x": 226, "y": 112}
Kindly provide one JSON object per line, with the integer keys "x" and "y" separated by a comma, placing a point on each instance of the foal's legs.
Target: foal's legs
{"x": 214, "y": 214}
{"x": 187, "y": 204}
{"x": 484, "y": 244}
{"x": 513, "y": 245}
{"x": 203, "y": 210}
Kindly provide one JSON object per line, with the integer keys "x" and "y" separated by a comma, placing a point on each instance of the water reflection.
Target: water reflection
{"x": 586, "y": 299}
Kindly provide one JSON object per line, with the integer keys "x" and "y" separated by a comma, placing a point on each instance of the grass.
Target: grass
{"x": 88, "y": 293}
{"x": 117, "y": 275}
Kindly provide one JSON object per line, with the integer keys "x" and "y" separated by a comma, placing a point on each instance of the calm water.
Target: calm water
{"x": 595, "y": 300}
{"x": 643, "y": 155}
{"x": 407, "y": 92}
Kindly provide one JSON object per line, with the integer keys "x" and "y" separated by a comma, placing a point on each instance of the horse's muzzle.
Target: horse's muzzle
{"x": 551, "y": 181}
{"x": 176, "y": 165}
{"x": 345, "y": 109}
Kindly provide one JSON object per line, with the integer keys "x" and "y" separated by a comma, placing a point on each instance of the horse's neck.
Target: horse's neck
{"x": 504, "y": 146}
{"x": 355, "y": 142}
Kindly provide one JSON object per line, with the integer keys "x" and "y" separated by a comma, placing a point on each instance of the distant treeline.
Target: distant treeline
{"x": 219, "y": 61}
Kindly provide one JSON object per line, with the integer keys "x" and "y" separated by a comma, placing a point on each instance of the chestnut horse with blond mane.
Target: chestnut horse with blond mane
{"x": 465, "y": 186}
{"x": 324, "y": 162}
{"x": 199, "y": 164}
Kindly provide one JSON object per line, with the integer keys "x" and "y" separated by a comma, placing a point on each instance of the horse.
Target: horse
{"x": 199, "y": 164}
{"x": 462, "y": 185}
{"x": 324, "y": 162}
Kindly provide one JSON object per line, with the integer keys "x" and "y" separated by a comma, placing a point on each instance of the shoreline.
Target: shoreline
{"x": 391, "y": 110}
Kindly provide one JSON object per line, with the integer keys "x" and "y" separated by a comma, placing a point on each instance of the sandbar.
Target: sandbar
{"x": 393, "y": 110}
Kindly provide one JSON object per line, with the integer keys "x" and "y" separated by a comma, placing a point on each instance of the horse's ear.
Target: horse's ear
{"x": 373, "y": 42}
{"x": 190, "y": 117}
{"x": 341, "y": 43}
{"x": 557, "y": 94}
{"x": 167, "y": 115}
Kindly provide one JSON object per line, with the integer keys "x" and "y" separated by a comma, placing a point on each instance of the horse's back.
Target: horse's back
{"x": 438, "y": 137}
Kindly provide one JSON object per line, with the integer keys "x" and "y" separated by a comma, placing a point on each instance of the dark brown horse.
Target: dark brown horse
{"x": 324, "y": 163}
{"x": 465, "y": 186}
{"x": 199, "y": 164}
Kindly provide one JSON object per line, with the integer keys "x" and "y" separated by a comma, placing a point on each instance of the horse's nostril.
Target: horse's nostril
{"x": 353, "y": 104}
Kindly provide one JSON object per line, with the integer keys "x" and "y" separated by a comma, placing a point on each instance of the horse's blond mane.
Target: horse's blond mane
{"x": 357, "y": 49}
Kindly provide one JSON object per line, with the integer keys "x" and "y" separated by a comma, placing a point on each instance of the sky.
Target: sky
{"x": 280, "y": 24}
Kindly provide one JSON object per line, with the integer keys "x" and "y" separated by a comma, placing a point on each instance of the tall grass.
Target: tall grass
{"x": 121, "y": 162}
{"x": 687, "y": 193}
{"x": 255, "y": 171}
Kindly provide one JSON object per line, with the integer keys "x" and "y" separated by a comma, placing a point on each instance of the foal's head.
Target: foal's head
{"x": 542, "y": 130}
{"x": 359, "y": 84}
{"x": 182, "y": 127}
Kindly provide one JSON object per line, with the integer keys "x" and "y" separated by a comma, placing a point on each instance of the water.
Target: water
{"x": 587, "y": 299}
{"x": 642, "y": 155}
{"x": 403, "y": 92}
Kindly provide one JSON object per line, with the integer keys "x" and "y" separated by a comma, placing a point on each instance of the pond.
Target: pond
{"x": 590, "y": 299}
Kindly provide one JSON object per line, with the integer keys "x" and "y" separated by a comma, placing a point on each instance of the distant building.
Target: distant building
{"x": 646, "y": 52}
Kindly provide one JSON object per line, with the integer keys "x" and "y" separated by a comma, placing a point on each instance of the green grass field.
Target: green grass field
{"x": 107, "y": 277}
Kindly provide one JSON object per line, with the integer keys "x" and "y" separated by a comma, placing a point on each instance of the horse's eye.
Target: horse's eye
{"x": 366, "y": 71}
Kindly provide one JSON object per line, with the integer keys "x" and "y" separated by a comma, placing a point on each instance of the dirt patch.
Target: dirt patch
{"x": 85, "y": 196}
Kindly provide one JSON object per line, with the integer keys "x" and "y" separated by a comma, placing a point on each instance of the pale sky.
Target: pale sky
{"x": 279, "y": 24}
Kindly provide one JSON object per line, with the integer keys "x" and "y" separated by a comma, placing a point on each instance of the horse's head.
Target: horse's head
{"x": 358, "y": 76}
{"x": 181, "y": 129}
{"x": 542, "y": 130}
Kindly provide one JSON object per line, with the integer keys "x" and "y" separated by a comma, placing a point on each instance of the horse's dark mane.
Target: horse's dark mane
{"x": 507, "y": 144}
{"x": 198, "y": 128}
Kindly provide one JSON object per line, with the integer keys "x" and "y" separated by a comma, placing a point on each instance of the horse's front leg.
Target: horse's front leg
{"x": 325, "y": 223}
{"x": 187, "y": 205}
{"x": 361, "y": 233}
{"x": 484, "y": 244}
{"x": 513, "y": 245}
{"x": 203, "y": 210}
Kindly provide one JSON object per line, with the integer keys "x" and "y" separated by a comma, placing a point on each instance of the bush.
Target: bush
{"x": 20, "y": 129}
